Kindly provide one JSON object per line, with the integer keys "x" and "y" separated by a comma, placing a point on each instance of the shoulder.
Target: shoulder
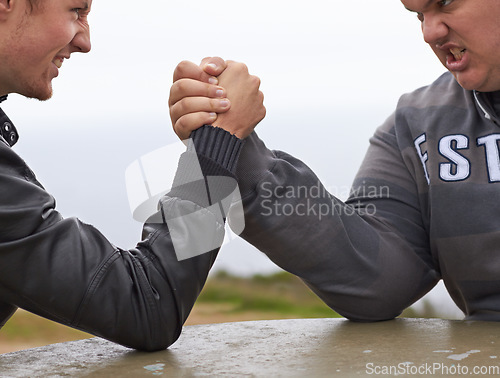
{"x": 444, "y": 91}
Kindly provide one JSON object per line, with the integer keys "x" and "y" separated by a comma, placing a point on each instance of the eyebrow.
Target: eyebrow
{"x": 427, "y": 5}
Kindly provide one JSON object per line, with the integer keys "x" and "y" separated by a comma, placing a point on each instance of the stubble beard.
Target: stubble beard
{"x": 40, "y": 89}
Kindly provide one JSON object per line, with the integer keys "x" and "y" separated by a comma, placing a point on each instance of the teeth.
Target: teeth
{"x": 457, "y": 53}
{"x": 58, "y": 62}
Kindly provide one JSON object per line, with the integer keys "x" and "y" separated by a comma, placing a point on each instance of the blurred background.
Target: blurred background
{"x": 331, "y": 72}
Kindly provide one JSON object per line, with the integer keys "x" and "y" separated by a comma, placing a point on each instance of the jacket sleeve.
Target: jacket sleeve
{"x": 67, "y": 271}
{"x": 368, "y": 258}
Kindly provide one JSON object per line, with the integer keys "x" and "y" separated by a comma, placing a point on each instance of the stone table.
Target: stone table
{"x": 305, "y": 347}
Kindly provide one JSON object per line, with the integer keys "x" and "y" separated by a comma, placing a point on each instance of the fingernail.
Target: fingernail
{"x": 219, "y": 93}
{"x": 213, "y": 80}
{"x": 224, "y": 103}
{"x": 213, "y": 65}
{"x": 213, "y": 115}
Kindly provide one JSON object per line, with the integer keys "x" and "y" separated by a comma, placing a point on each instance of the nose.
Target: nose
{"x": 81, "y": 41}
{"x": 433, "y": 28}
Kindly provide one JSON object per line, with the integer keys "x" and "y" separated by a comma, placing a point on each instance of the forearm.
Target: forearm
{"x": 355, "y": 261}
{"x": 69, "y": 272}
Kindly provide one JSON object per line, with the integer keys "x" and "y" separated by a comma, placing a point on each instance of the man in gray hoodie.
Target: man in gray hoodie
{"x": 424, "y": 205}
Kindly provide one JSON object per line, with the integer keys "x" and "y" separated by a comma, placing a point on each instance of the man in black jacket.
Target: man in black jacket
{"x": 68, "y": 271}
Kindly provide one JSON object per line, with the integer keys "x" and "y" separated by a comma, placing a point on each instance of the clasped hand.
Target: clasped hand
{"x": 216, "y": 92}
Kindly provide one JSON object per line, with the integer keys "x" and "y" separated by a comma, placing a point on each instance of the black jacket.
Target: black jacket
{"x": 67, "y": 271}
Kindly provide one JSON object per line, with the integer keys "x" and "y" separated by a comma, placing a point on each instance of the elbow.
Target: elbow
{"x": 161, "y": 340}
{"x": 369, "y": 318}
{"x": 143, "y": 336}
{"x": 363, "y": 312}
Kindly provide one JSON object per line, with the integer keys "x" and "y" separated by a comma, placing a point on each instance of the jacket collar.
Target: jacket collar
{"x": 7, "y": 130}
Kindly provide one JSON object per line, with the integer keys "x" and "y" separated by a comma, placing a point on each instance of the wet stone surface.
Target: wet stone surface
{"x": 306, "y": 347}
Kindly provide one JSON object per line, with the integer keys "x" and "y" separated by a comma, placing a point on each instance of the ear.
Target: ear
{"x": 5, "y": 9}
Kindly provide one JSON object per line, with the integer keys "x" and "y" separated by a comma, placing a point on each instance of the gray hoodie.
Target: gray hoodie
{"x": 424, "y": 206}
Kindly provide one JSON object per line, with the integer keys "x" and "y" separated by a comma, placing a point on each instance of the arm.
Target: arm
{"x": 69, "y": 272}
{"x": 368, "y": 258}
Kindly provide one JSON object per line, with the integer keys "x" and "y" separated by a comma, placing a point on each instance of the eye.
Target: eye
{"x": 83, "y": 11}
{"x": 443, "y": 3}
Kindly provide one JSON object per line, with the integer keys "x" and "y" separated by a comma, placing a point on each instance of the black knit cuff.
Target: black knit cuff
{"x": 218, "y": 145}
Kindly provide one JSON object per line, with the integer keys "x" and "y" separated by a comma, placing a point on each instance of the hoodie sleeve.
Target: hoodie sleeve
{"x": 366, "y": 258}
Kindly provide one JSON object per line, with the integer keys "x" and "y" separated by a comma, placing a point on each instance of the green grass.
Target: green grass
{"x": 280, "y": 293}
{"x": 26, "y": 326}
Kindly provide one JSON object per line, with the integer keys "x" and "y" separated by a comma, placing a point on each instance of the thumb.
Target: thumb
{"x": 213, "y": 65}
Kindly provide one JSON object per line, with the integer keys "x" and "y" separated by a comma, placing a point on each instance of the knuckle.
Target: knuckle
{"x": 173, "y": 112}
{"x": 213, "y": 59}
{"x": 183, "y": 66}
{"x": 178, "y": 72}
{"x": 243, "y": 67}
{"x": 239, "y": 67}
{"x": 186, "y": 69}
{"x": 255, "y": 80}
{"x": 213, "y": 105}
{"x": 171, "y": 97}
{"x": 219, "y": 60}
{"x": 180, "y": 86}
{"x": 181, "y": 125}
{"x": 180, "y": 107}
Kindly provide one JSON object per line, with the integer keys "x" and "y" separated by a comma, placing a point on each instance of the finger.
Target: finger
{"x": 189, "y": 70}
{"x": 191, "y": 105}
{"x": 190, "y": 122}
{"x": 192, "y": 88}
{"x": 233, "y": 71}
{"x": 213, "y": 65}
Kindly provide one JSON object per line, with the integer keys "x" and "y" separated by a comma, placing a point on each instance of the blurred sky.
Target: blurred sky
{"x": 331, "y": 72}
{"x": 310, "y": 55}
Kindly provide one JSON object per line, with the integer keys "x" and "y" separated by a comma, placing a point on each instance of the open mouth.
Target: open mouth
{"x": 58, "y": 62}
{"x": 457, "y": 53}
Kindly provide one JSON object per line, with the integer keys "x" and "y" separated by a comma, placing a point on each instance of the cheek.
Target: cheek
{"x": 57, "y": 38}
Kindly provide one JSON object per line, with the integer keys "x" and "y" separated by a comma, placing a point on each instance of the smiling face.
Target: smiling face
{"x": 35, "y": 43}
{"x": 465, "y": 36}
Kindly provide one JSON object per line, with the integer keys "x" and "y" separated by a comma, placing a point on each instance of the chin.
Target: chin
{"x": 477, "y": 87}
{"x": 46, "y": 97}
{"x": 40, "y": 89}
{"x": 478, "y": 81}
{"x": 42, "y": 95}
{"x": 469, "y": 84}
